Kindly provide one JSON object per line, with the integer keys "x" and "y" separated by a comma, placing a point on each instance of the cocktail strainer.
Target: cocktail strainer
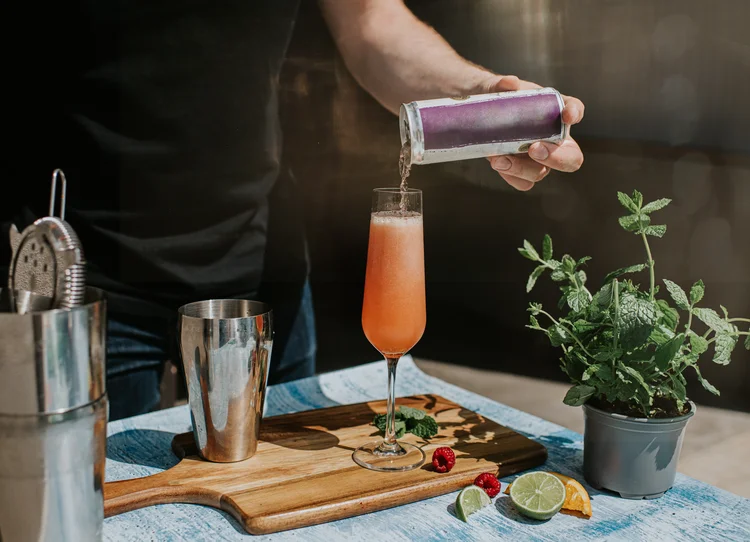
{"x": 47, "y": 268}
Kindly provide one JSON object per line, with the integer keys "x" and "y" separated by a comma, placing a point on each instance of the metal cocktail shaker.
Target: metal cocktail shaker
{"x": 53, "y": 417}
{"x": 448, "y": 129}
{"x": 226, "y": 347}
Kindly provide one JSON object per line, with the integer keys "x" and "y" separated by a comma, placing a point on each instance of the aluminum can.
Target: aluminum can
{"x": 448, "y": 129}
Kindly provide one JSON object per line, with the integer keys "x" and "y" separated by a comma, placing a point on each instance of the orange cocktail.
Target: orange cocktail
{"x": 393, "y": 311}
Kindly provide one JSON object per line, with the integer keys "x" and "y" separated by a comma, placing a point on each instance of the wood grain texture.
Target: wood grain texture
{"x": 303, "y": 473}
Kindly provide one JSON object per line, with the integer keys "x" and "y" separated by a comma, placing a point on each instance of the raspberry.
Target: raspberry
{"x": 489, "y": 483}
{"x": 443, "y": 459}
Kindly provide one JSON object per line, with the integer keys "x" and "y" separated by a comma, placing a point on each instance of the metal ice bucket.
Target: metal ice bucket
{"x": 53, "y": 417}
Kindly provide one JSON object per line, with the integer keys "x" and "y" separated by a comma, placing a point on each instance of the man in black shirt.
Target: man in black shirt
{"x": 164, "y": 117}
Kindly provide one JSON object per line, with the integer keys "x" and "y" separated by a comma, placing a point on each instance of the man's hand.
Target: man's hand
{"x": 522, "y": 172}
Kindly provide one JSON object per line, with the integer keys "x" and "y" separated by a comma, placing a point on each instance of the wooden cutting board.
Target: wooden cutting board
{"x": 303, "y": 473}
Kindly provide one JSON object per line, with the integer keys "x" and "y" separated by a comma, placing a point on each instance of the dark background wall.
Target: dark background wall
{"x": 666, "y": 86}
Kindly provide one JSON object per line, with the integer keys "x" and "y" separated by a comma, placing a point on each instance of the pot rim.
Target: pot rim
{"x": 614, "y": 415}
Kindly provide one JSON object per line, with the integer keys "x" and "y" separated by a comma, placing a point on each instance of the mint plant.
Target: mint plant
{"x": 625, "y": 349}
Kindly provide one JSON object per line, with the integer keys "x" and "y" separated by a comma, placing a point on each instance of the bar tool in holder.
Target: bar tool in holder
{"x": 47, "y": 269}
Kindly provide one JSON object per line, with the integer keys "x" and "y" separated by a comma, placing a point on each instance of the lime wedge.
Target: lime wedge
{"x": 471, "y": 499}
{"x": 538, "y": 495}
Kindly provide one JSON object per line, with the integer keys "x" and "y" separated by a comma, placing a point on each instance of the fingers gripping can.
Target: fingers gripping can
{"x": 448, "y": 129}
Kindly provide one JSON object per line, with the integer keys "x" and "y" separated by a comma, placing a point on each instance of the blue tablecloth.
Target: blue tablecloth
{"x": 691, "y": 510}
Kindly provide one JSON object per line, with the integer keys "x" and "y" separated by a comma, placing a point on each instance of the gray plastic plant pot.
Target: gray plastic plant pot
{"x": 635, "y": 457}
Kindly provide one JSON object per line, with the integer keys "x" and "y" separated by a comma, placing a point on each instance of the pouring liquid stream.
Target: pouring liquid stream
{"x": 404, "y": 168}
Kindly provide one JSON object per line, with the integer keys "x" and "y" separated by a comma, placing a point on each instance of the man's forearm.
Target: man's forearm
{"x": 395, "y": 56}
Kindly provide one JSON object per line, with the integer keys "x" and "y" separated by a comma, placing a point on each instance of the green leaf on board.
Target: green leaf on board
{"x": 424, "y": 428}
{"x": 409, "y": 413}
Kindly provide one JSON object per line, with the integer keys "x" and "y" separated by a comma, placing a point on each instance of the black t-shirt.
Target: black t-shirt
{"x": 164, "y": 117}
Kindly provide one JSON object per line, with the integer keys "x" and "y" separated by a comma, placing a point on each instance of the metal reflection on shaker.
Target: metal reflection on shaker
{"x": 226, "y": 347}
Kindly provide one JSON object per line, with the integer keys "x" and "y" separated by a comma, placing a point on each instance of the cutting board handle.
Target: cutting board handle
{"x": 162, "y": 488}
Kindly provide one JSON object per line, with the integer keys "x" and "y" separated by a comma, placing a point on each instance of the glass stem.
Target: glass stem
{"x": 390, "y": 443}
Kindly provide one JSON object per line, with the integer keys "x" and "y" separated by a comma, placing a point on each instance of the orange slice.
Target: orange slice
{"x": 577, "y": 498}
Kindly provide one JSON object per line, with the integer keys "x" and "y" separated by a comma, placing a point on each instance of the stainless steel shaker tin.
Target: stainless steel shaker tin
{"x": 226, "y": 346}
{"x": 53, "y": 361}
{"x": 448, "y": 129}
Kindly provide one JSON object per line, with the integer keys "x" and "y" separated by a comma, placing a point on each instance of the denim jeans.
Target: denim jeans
{"x": 137, "y": 349}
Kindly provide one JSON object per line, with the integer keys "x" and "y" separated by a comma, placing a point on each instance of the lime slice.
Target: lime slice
{"x": 471, "y": 499}
{"x": 538, "y": 495}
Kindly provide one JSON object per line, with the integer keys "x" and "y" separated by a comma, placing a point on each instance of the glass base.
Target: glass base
{"x": 375, "y": 456}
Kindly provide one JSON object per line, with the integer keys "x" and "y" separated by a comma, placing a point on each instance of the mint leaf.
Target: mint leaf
{"x": 547, "y": 247}
{"x": 427, "y": 427}
{"x": 635, "y": 320}
{"x": 379, "y": 422}
{"x": 660, "y": 335}
{"x": 633, "y": 223}
{"x": 578, "y": 299}
{"x": 583, "y": 260}
{"x": 723, "y": 348}
{"x": 637, "y": 198}
{"x": 656, "y": 205}
{"x": 604, "y": 372}
{"x": 624, "y": 270}
{"x": 533, "y": 278}
{"x": 528, "y": 251}
{"x": 603, "y": 298}
{"x": 409, "y": 413}
{"x": 627, "y": 202}
{"x": 698, "y": 344}
{"x": 705, "y": 383}
{"x": 725, "y": 311}
{"x": 668, "y": 316}
{"x": 696, "y": 292}
{"x": 558, "y": 335}
{"x": 579, "y": 394}
{"x": 678, "y": 295}
{"x": 666, "y": 352}
{"x": 712, "y": 319}
{"x": 747, "y": 342}
{"x": 400, "y": 428}
{"x": 679, "y": 390}
{"x": 657, "y": 230}
{"x": 558, "y": 275}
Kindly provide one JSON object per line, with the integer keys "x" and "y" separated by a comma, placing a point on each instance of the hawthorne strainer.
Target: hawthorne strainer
{"x": 47, "y": 270}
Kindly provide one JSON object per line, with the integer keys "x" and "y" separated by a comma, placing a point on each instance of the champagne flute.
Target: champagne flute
{"x": 394, "y": 310}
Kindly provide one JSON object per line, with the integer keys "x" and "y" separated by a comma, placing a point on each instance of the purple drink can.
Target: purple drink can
{"x": 447, "y": 129}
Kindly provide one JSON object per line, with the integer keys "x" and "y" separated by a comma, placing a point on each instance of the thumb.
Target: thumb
{"x": 505, "y": 83}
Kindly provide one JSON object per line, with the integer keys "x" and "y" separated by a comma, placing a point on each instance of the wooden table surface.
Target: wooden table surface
{"x": 691, "y": 510}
